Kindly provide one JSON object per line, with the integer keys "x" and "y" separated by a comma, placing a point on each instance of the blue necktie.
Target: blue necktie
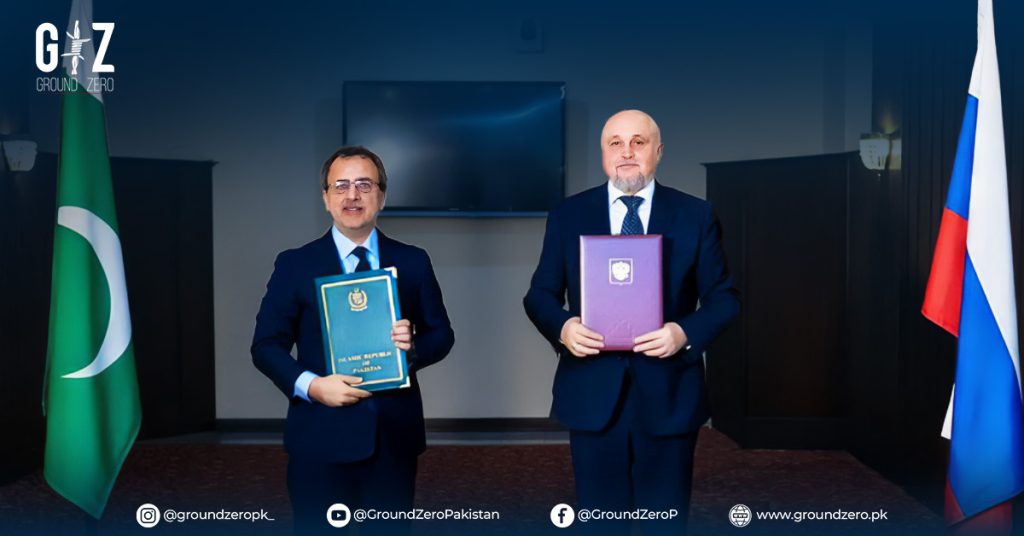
{"x": 631, "y": 224}
{"x": 364, "y": 262}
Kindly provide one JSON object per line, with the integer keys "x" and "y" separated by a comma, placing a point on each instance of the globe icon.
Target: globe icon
{"x": 740, "y": 515}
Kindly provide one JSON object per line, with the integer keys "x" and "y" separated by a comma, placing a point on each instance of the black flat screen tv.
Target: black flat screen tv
{"x": 463, "y": 148}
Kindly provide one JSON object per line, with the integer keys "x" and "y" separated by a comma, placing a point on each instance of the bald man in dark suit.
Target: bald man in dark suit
{"x": 633, "y": 416}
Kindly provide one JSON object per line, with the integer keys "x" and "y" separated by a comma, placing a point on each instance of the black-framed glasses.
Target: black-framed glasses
{"x": 364, "y": 186}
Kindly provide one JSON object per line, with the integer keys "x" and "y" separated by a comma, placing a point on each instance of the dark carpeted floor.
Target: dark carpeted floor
{"x": 521, "y": 482}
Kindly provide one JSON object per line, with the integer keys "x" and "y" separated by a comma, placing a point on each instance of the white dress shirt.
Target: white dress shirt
{"x": 617, "y": 209}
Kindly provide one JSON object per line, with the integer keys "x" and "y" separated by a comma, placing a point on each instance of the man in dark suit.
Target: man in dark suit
{"x": 633, "y": 416}
{"x": 345, "y": 446}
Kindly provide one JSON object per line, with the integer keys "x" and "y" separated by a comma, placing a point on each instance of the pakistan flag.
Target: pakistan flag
{"x": 92, "y": 400}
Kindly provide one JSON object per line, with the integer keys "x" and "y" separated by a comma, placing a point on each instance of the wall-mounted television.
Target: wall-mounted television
{"x": 463, "y": 148}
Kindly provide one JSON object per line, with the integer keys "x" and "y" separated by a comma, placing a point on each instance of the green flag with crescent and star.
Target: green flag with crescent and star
{"x": 92, "y": 400}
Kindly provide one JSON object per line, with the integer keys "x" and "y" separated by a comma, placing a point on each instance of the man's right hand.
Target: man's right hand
{"x": 580, "y": 340}
{"x": 337, "y": 390}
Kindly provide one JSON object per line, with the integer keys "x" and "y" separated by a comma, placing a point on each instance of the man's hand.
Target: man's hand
{"x": 401, "y": 334}
{"x": 337, "y": 390}
{"x": 579, "y": 339}
{"x": 662, "y": 342}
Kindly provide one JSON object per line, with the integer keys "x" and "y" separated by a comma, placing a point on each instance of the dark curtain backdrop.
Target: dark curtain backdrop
{"x": 164, "y": 213}
{"x": 902, "y": 364}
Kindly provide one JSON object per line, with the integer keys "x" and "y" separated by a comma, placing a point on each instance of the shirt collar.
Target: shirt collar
{"x": 647, "y": 192}
{"x": 345, "y": 246}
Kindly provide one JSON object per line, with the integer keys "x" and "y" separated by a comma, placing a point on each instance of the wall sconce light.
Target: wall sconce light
{"x": 874, "y": 150}
{"x": 19, "y": 154}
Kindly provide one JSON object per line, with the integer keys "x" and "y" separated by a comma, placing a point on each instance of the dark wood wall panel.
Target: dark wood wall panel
{"x": 784, "y": 224}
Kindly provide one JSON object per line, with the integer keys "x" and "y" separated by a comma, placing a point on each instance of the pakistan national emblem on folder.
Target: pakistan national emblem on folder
{"x": 357, "y": 312}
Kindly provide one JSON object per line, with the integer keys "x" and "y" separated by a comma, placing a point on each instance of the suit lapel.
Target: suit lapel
{"x": 663, "y": 219}
{"x": 327, "y": 261}
{"x": 662, "y": 214}
{"x": 385, "y": 250}
{"x": 596, "y": 219}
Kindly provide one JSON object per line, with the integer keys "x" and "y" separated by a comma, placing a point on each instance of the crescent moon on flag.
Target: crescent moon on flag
{"x": 107, "y": 246}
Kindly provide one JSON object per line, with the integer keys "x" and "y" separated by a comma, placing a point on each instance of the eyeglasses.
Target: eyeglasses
{"x": 364, "y": 186}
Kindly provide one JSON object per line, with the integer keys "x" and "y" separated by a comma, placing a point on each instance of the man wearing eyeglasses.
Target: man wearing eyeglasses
{"x": 344, "y": 445}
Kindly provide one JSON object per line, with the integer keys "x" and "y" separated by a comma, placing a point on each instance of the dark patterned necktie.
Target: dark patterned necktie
{"x": 364, "y": 263}
{"x": 631, "y": 224}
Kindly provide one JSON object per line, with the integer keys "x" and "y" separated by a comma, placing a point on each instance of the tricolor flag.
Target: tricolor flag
{"x": 971, "y": 294}
{"x": 92, "y": 402}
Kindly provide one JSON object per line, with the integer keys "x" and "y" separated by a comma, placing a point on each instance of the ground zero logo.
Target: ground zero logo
{"x": 85, "y": 50}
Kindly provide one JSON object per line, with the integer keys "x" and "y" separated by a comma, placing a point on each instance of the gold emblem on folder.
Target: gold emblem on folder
{"x": 357, "y": 300}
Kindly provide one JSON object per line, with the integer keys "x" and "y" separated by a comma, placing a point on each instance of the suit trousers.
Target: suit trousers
{"x": 385, "y": 481}
{"x": 623, "y": 468}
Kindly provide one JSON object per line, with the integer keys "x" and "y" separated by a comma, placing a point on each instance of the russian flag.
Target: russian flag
{"x": 971, "y": 294}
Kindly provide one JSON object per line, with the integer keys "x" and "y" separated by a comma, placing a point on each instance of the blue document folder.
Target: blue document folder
{"x": 357, "y": 311}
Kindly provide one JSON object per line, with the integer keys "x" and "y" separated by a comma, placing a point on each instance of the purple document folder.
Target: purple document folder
{"x": 620, "y": 281}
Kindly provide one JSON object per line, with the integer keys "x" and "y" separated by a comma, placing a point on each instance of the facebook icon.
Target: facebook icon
{"x": 562, "y": 515}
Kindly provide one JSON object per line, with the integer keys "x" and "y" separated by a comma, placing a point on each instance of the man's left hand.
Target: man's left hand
{"x": 662, "y": 342}
{"x": 401, "y": 334}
